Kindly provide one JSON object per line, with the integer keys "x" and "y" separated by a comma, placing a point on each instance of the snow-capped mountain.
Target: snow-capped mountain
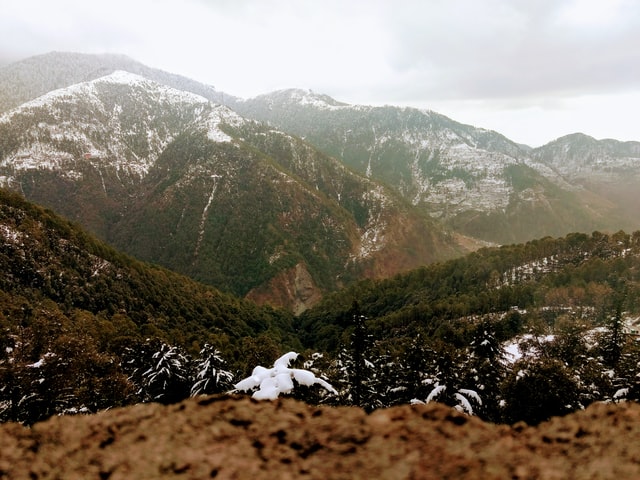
{"x": 583, "y": 158}
{"x": 475, "y": 180}
{"x": 35, "y": 76}
{"x": 170, "y": 177}
{"x": 153, "y": 163}
{"x": 122, "y": 121}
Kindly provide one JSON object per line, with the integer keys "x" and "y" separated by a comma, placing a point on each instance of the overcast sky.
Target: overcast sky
{"x": 533, "y": 70}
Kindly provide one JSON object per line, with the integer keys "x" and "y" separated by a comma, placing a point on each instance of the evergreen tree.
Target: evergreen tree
{"x": 354, "y": 367}
{"x": 538, "y": 390}
{"x": 612, "y": 342}
{"x": 411, "y": 378}
{"x": 485, "y": 370}
{"x": 448, "y": 381}
{"x": 167, "y": 378}
{"x": 361, "y": 367}
{"x": 211, "y": 375}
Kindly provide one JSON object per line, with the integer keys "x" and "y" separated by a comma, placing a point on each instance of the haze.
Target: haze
{"x": 532, "y": 70}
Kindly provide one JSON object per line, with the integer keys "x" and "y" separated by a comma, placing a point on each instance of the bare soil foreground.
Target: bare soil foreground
{"x": 217, "y": 437}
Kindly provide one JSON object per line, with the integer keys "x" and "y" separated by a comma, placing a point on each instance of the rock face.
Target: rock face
{"x": 218, "y": 437}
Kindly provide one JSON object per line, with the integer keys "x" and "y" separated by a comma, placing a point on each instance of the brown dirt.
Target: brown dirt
{"x": 215, "y": 437}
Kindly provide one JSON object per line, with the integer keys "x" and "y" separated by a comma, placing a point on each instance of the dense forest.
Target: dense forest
{"x": 519, "y": 332}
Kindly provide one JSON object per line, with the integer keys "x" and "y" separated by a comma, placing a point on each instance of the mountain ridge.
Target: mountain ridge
{"x": 129, "y": 150}
{"x": 397, "y": 186}
{"x": 456, "y": 172}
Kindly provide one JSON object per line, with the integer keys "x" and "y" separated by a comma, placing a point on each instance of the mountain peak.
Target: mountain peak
{"x": 35, "y": 76}
{"x": 302, "y": 97}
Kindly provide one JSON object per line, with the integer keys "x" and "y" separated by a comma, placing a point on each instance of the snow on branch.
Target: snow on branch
{"x": 269, "y": 383}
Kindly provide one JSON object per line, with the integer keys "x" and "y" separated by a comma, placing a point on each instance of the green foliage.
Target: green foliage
{"x": 536, "y": 391}
{"x": 75, "y": 316}
{"x": 80, "y": 311}
{"x": 576, "y": 271}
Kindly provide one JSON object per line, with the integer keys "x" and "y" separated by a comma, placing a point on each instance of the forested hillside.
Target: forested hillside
{"x": 149, "y": 164}
{"x": 579, "y": 271}
{"x": 519, "y": 332}
{"x": 171, "y": 178}
{"x": 79, "y": 321}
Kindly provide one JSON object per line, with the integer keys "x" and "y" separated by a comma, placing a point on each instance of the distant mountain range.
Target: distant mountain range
{"x": 476, "y": 181}
{"x": 170, "y": 177}
{"x": 287, "y": 196}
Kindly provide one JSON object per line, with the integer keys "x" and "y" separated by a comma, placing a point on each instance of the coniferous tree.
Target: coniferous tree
{"x": 355, "y": 367}
{"x": 485, "y": 370}
{"x": 359, "y": 348}
{"x": 448, "y": 381}
{"x": 612, "y": 342}
{"x": 411, "y": 379}
{"x": 539, "y": 389}
{"x": 210, "y": 373}
{"x": 167, "y": 378}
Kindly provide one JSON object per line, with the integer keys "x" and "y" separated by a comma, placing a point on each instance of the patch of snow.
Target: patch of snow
{"x": 436, "y": 393}
{"x": 271, "y": 383}
{"x": 524, "y": 346}
{"x": 11, "y": 235}
{"x": 621, "y": 393}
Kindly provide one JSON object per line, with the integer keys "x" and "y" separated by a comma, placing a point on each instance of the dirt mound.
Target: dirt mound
{"x": 216, "y": 437}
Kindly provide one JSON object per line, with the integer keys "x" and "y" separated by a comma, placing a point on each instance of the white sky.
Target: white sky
{"x": 533, "y": 70}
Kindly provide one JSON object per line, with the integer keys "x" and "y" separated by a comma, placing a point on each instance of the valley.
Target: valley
{"x": 155, "y": 231}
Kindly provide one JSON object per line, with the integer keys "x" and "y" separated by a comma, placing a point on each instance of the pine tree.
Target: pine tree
{"x": 167, "y": 378}
{"x": 360, "y": 366}
{"x": 448, "y": 379}
{"x": 357, "y": 371}
{"x": 538, "y": 390}
{"x": 612, "y": 342}
{"x": 485, "y": 370}
{"x": 210, "y": 373}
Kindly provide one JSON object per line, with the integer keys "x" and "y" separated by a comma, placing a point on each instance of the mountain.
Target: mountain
{"x": 35, "y": 76}
{"x": 476, "y": 181}
{"x": 609, "y": 168}
{"x": 155, "y": 165}
{"x": 171, "y": 178}
{"x": 57, "y": 279}
{"x": 579, "y": 279}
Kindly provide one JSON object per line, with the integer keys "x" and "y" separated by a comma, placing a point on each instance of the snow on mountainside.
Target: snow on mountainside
{"x": 475, "y": 180}
{"x": 580, "y": 156}
{"x": 123, "y": 148}
{"x": 171, "y": 178}
{"x": 121, "y": 120}
{"x": 428, "y": 157}
{"x": 35, "y": 76}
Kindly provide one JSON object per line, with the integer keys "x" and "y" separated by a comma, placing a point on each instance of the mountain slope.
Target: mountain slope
{"x": 475, "y": 180}
{"x": 579, "y": 277}
{"x": 609, "y": 168}
{"x": 171, "y": 178}
{"x": 35, "y": 76}
{"x": 54, "y": 275}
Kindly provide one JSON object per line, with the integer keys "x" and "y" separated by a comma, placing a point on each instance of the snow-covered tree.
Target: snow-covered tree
{"x": 485, "y": 370}
{"x": 167, "y": 379}
{"x": 358, "y": 376}
{"x": 406, "y": 377}
{"x": 447, "y": 382}
{"x": 613, "y": 340}
{"x": 210, "y": 373}
{"x": 270, "y": 383}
